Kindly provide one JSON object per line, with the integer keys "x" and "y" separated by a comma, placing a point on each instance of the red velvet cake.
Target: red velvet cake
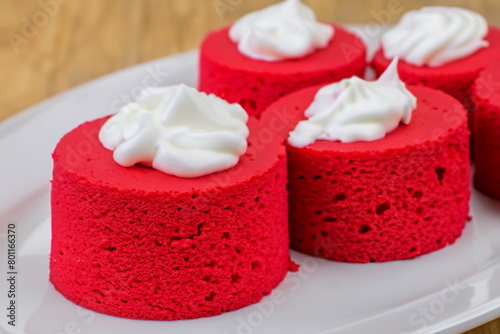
{"x": 370, "y": 201}
{"x": 486, "y": 92}
{"x": 255, "y": 84}
{"x": 455, "y": 78}
{"x": 138, "y": 243}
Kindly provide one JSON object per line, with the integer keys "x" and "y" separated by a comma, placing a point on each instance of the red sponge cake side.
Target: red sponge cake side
{"x": 487, "y": 131}
{"x": 137, "y": 243}
{"x": 255, "y": 84}
{"x": 394, "y": 198}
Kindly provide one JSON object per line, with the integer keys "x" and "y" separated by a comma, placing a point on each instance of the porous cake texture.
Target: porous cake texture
{"x": 394, "y": 198}
{"x": 487, "y": 131}
{"x": 137, "y": 243}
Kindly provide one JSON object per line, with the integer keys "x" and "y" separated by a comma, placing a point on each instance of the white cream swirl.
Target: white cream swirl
{"x": 282, "y": 31}
{"x": 177, "y": 130}
{"x": 356, "y": 110}
{"x": 435, "y": 36}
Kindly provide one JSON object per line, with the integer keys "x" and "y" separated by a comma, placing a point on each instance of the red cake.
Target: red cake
{"x": 255, "y": 84}
{"x": 455, "y": 78}
{"x": 138, "y": 243}
{"x": 486, "y": 92}
{"x": 393, "y": 198}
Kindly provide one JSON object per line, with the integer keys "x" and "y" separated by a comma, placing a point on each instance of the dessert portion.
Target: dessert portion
{"x": 272, "y": 52}
{"x": 139, "y": 242}
{"x": 486, "y": 122}
{"x": 440, "y": 47}
{"x": 374, "y": 175}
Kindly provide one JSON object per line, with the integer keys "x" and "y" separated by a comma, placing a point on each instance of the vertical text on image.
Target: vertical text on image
{"x": 11, "y": 274}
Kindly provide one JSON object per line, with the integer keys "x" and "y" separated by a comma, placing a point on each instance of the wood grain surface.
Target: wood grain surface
{"x": 48, "y": 46}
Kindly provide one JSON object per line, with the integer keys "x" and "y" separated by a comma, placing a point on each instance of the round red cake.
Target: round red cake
{"x": 393, "y": 198}
{"x": 486, "y": 92}
{"x": 455, "y": 78}
{"x": 138, "y": 243}
{"x": 255, "y": 84}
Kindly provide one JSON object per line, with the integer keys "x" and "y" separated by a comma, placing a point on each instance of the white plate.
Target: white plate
{"x": 449, "y": 291}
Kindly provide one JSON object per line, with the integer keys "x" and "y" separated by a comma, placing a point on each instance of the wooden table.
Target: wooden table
{"x": 48, "y": 46}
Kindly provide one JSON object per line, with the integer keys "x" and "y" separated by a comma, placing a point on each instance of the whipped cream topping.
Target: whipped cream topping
{"x": 282, "y": 31}
{"x": 356, "y": 110}
{"x": 177, "y": 130}
{"x": 435, "y": 36}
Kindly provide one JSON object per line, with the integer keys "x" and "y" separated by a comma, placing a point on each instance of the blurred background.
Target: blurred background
{"x": 49, "y": 46}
